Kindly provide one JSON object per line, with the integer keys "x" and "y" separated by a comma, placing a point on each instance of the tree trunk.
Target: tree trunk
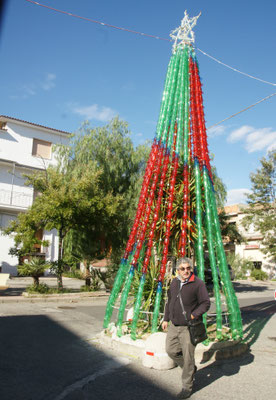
{"x": 87, "y": 273}
{"x": 36, "y": 280}
{"x": 59, "y": 282}
{"x": 59, "y": 269}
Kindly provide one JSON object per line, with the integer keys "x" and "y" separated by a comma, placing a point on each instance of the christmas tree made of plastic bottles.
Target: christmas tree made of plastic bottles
{"x": 177, "y": 207}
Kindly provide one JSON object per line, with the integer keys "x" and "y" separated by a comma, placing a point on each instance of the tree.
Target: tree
{"x": 110, "y": 147}
{"x": 69, "y": 199}
{"x": 123, "y": 166}
{"x": 229, "y": 230}
{"x": 83, "y": 245}
{"x": 34, "y": 268}
{"x": 261, "y": 210}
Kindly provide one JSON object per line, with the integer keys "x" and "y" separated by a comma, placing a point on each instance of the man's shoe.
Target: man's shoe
{"x": 184, "y": 394}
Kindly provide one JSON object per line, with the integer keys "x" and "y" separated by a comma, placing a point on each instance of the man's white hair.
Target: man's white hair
{"x": 184, "y": 260}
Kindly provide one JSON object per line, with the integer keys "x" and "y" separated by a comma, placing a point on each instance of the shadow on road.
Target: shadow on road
{"x": 245, "y": 287}
{"x": 256, "y": 317}
{"x": 41, "y": 359}
{"x": 218, "y": 369}
{"x": 12, "y": 291}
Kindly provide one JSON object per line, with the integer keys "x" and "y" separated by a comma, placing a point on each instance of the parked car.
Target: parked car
{"x": 231, "y": 272}
{"x": 209, "y": 276}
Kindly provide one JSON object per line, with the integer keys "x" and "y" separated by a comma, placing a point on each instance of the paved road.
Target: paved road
{"x": 48, "y": 352}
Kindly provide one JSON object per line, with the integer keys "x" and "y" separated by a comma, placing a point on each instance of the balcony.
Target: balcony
{"x": 10, "y": 199}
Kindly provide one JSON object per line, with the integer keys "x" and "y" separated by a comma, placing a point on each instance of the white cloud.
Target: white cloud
{"x": 236, "y": 196}
{"x": 254, "y": 139}
{"x": 260, "y": 139}
{"x": 31, "y": 89}
{"x": 102, "y": 114}
{"x": 216, "y": 131}
{"x": 49, "y": 82}
{"x": 240, "y": 133}
{"x": 271, "y": 147}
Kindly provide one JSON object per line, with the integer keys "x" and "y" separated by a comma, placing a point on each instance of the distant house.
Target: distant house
{"x": 252, "y": 248}
{"x": 25, "y": 147}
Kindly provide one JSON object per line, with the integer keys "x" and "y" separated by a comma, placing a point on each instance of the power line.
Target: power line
{"x": 97, "y": 22}
{"x": 244, "y": 109}
{"x": 168, "y": 40}
{"x": 235, "y": 69}
{"x": 146, "y": 35}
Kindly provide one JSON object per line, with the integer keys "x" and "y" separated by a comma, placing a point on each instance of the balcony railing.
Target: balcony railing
{"x": 16, "y": 199}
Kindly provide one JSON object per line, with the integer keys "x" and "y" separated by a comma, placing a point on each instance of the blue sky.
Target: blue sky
{"x": 59, "y": 71}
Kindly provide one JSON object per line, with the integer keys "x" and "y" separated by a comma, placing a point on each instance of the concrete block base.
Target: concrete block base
{"x": 155, "y": 355}
{"x": 4, "y": 279}
{"x": 216, "y": 351}
{"x": 152, "y": 352}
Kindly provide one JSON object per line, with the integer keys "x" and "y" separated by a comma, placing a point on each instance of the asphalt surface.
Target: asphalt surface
{"x": 49, "y": 351}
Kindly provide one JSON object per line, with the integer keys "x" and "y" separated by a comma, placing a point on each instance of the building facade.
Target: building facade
{"x": 251, "y": 249}
{"x": 24, "y": 148}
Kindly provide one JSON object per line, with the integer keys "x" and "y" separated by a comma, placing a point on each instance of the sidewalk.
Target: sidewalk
{"x": 16, "y": 286}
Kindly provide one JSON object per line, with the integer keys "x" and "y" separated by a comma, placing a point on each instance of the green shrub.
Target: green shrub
{"x": 107, "y": 278}
{"x": 91, "y": 288}
{"x": 259, "y": 275}
{"x": 240, "y": 265}
{"x": 41, "y": 288}
{"x": 34, "y": 268}
{"x": 75, "y": 273}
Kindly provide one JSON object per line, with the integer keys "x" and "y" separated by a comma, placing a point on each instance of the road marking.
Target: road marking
{"x": 109, "y": 366}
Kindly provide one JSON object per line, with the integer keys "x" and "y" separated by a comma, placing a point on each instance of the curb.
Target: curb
{"x": 32, "y": 298}
{"x": 218, "y": 351}
{"x": 214, "y": 351}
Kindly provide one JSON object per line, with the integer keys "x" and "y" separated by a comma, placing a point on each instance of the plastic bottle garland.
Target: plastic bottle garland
{"x": 179, "y": 160}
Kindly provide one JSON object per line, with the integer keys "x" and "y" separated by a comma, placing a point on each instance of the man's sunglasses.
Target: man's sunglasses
{"x": 185, "y": 269}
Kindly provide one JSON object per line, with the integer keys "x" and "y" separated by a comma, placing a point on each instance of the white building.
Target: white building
{"x": 252, "y": 248}
{"x": 24, "y": 148}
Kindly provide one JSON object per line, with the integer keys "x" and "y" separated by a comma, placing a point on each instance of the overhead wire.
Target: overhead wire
{"x": 146, "y": 35}
{"x": 97, "y": 22}
{"x": 241, "y": 111}
{"x": 235, "y": 69}
{"x": 168, "y": 40}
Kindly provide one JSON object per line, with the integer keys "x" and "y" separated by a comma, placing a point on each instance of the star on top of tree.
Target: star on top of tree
{"x": 184, "y": 34}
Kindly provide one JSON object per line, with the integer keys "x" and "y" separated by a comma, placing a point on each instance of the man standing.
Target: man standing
{"x": 196, "y": 302}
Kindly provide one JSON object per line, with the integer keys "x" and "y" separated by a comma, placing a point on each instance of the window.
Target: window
{"x": 257, "y": 264}
{"x": 5, "y": 220}
{"x": 38, "y": 236}
{"x": 42, "y": 149}
{"x": 3, "y": 126}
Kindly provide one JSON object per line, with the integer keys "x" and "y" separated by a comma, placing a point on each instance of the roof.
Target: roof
{"x": 3, "y": 161}
{"x": 235, "y": 208}
{"x": 100, "y": 263}
{"x": 5, "y": 118}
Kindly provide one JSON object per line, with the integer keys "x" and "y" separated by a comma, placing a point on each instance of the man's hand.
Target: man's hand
{"x": 192, "y": 317}
{"x": 164, "y": 325}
